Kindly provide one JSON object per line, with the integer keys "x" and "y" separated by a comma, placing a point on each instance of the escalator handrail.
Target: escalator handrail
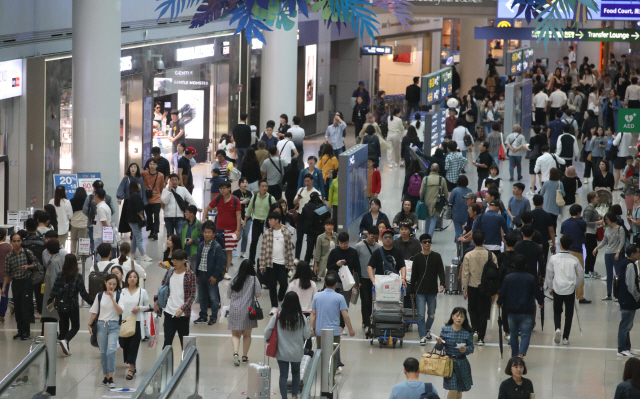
{"x": 192, "y": 354}
{"x": 167, "y": 351}
{"x": 23, "y": 365}
{"x": 306, "y": 387}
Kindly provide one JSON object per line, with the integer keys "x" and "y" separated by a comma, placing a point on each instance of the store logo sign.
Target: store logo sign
{"x": 10, "y": 79}
{"x": 194, "y": 53}
{"x": 126, "y": 63}
{"x": 504, "y": 24}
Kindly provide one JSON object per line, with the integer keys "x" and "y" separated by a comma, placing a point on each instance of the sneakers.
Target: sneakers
{"x": 227, "y": 276}
{"x": 65, "y": 347}
{"x": 17, "y": 336}
{"x": 236, "y": 360}
{"x": 242, "y": 255}
{"x": 25, "y": 337}
{"x": 391, "y": 165}
{"x": 201, "y": 320}
{"x": 557, "y": 337}
{"x": 615, "y": 299}
{"x": 146, "y": 258}
{"x": 584, "y": 301}
{"x": 428, "y": 336}
{"x": 480, "y": 342}
{"x": 607, "y": 298}
{"x": 273, "y": 311}
{"x": 212, "y": 322}
{"x": 625, "y": 354}
{"x": 565, "y": 341}
{"x": 111, "y": 384}
{"x": 423, "y": 341}
{"x": 104, "y": 382}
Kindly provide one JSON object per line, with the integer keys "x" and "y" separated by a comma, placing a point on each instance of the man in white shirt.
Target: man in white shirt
{"x": 304, "y": 194}
{"x": 571, "y": 55}
{"x": 286, "y": 146}
{"x": 103, "y": 216}
{"x": 173, "y": 213}
{"x": 556, "y": 100}
{"x": 567, "y": 147}
{"x": 297, "y": 136}
{"x": 564, "y": 274}
{"x": 540, "y": 102}
{"x": 546, "y": 161}
{"x": 632, "y": 94}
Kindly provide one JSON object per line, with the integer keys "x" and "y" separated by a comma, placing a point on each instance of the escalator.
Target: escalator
{"x": 30, "y": 378}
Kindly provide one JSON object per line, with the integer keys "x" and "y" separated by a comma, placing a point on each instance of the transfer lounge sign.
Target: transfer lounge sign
{"x": 629, "y": 120}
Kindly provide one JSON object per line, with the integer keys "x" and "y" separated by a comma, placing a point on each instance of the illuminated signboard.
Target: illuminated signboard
{"x": 519, "y": 61}
{"x": 446, "y": 82}
{"x": 194, "y": 53}
{"x": 376, "y": 50}
{"x": 607, "y": 10}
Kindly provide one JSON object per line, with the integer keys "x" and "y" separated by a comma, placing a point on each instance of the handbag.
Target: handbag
{"x": 589, "y": 157}
{"x": 422, "y": 211}
{"x": 438, "y": 364}
{"x": 149, "y": 191}
{"x": 346, "y": 278}
{"x": 469, "y": 118}
{"x": 501, "y": 154}
{"x": 128, "y": 326}
{"x": 441, "y": 201}
{"x": 559, "y": 197}
{"x": 529, "y": 154}
{"x": 272, "y": 346}
{"x": 255, "y": 311}
{"x": 467, "y": 138}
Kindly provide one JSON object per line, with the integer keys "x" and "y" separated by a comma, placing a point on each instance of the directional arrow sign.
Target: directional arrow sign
{"x": 589, "y": 35}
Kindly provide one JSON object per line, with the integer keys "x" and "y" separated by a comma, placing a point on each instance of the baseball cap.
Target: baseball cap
{"x": 314, "y": 194}
{"x": 495, "y": 203}
{"x": 388, "y": 231}
{"x": 470, "y": 196}
{"x": 361, "y": 83}
{"x": 191, "y": 150}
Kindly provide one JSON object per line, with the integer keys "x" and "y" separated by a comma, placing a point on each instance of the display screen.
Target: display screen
{"x": 434, "y": 87}
{"x": 357, "y": 184}
{"x": 310, "y": 79}
{"x": 519, "y": 61}
{"x": 191, "y": 108}
{"x": 607, "y": 10}
{"x": 435, "y": 133}
{"x": 446, "y": 82}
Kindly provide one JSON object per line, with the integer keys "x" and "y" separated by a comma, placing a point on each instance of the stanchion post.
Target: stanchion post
{"x": 326, "y": 336}
{"x": 187, "y": 342}
{"x": 50, "y": 337}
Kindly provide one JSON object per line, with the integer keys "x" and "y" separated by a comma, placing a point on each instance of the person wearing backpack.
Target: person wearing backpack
{"x": 567, "y": 146}
{"x": 313, "y": 219}
{"x": 273, "y": 169}
{"x": 373, "y": 145}
{"x": 629, "y": 299}
{"x": 175, "y": 199}
{"x": 454, "y": 163}
{"x": 36, "y": 243}
{"x": 108, "y": 312}
{"x": 89, "y": 208}
{"x": 412, "y": 388}
{"x": 554, "y": 130}
{"x": 479, "y": 303}
{"x": 64, "y": 297}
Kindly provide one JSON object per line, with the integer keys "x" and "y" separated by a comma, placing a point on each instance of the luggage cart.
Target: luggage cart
{"x": 387, "y": 333}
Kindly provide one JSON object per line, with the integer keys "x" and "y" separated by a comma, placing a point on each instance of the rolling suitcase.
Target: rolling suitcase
{"x": 452, "y": 285}
{"x": 305, "y": 365}
{"x": 387, "y": 312}
{"x": 259, "y": 381}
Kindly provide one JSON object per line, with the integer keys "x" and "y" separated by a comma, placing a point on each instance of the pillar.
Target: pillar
{"x": 473, "y": 54}
{"x": 323, "y": 79}
{"x": 589, "y": 49}
{"x": 279, "y": 75}
{"x": 96, "y": 89}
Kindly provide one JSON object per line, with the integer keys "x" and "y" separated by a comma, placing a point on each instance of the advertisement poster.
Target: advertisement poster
{"x": 191, "y": 107}
{"x": 357, "y": 185}
{"x": 310, "y": 79}
{"x": 86, "y": 180}
{"x": 69, "y": 182}
{"x": 10, "y": 79}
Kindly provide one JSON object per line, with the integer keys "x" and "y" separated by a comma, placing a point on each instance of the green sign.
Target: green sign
{"x": 629, "y": 120}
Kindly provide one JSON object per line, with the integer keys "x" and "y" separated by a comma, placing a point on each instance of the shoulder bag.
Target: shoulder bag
{"x": 438, "y": 364}
{"x": 559, "y": 197}
{"x": 272, "y": 346}
{"x": 280, "y": 170}
{"x": 128, "y": 327}
{"x": 441, "y": 201}
{"x": 149, "y": 191}
{"x": 255, "y": 311}
{"x": 163, "y": 291}
{"x": 422, "y": 211}
{"x": 467, "y": 138}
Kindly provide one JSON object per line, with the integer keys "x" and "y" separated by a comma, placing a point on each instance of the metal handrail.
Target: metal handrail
{"x": 312, "y": 374}
{"x": 171, "y": 387}
{"x": 6, "y": 382}
{"x": 336, "y": 347}
{"x": 166, "y": 352}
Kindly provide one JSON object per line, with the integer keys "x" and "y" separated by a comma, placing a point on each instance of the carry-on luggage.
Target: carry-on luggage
{"x": 305, "y": 365}
{"x": 452, "y": 285}
{"x": 387, "y": 312}
{"x": 259, "y": 381}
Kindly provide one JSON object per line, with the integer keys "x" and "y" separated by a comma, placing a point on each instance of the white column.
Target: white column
{"x": 590, "y": 49}
{"x": 473, "y": 54}
{"x": 279, "y": 75}
{"x": 96, "y": 89}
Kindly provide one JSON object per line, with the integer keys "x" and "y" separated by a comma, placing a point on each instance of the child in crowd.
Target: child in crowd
{"x": 215, "y": 183}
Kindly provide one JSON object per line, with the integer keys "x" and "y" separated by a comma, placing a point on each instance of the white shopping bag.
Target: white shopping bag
{"x": 408, "y": 267}
{"x": 388, "y": 288}
{"x": 347, "y": 278}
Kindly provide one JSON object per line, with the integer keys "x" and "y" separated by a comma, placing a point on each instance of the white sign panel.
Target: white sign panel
{"x": 107, "y": 234}
{"x": 11, "y": 79}
{"x": 13, "y": 219}
{"x": 311, "y": 52}
{"x": 126, "y": 63}
{"x": 194, "y": 53}
{"x": 191, "y": 106}
{"x": 84, "y": 246}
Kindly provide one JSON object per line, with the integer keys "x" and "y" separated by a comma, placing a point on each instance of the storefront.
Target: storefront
{"x": 200, "y": 77}
{"x": 11, "y": 91}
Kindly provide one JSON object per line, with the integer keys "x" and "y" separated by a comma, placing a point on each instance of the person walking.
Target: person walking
{"x": 517, "y": 146}
{"x": 135, "y": 302}
{"x": 335, "y": 133}
{"x": 210, "y": 266}
{"x": 516, "y": 387}
{"x": 459, "y": 205}
{"x": 432, "y": 187}
{"x": 301, "y": 283}
{"x": 594, "y": 221}
{"x": 454, "y": 164}
{"x": 5, "y": 249}
{"x": 495, "y": 140}
{"x": 537, "y": 141}
{"x": 53, "y": 268}
{"x": 174, "y": 197}
{"x": 409, "y": 141}
{"x": 456, "y": 339}
{"x": 571, "y": 183}
{"x": 64, "y": 212}
{"x": 276, "y": 259}
{"x": 228, "y": 220}
{"x": 131, "y": 175}
{"x": 613, "y": 244}
{"x": 136, "y": 220}
{"x": 483, "y": 163}
{"x": 413, "y": 388}
{"x": 154, "y": 201}
{"x": 564, "y": 276}
{"x": 359, "y": 115}
{"x": 325, "y": 243}
{"x": 292, "y": 330}
{"x": 78, "y": 222}
{"x": 549, "y": 191}
{"x": 576, "y": 228}
{"x": 365, "y": 249}
{"x": 273, "y": 169}
{"x": 257, "y": 211}
{"x": 107, "y": 309}
{"x": 629, "y": 297}
{"x": 180, "y": 296}
{"x": 242, "y": 136}
{"x": 328, "y": 162}
{"x": 242, "y": 291}
{"x": 394, "y": 137}
{"x": 518, "y": 205}
{"x": 567, "y": 148}
{"x": 412, "y": 95}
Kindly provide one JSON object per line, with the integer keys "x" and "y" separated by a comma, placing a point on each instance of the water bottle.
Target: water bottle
{"x": 475, "y": 337}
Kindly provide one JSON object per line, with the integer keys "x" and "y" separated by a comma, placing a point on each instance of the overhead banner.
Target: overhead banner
{"x": 191, "y": 107}
{"x": 580, "y": 35}
{"x": 608, "y": 10}
{"x": 310, "y": 79}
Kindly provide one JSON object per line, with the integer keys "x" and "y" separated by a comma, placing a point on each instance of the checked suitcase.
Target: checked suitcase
{"x": 259, "y": 381}
{"x": 387, "y": 312}
{"x": 452, "y": 285}
{"x": 396, "y": 330}
{"x": 305, "y": 365}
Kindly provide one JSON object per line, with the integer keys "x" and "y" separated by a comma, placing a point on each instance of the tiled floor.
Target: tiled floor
{"x": 587, "y": 368}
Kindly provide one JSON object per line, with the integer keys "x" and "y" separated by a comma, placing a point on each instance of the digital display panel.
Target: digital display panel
{"x": 607, "y": 10}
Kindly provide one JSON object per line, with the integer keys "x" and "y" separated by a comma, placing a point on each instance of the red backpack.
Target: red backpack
{"x": 415, "y": 182}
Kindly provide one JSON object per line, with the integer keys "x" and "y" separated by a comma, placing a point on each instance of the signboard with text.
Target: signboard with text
{"x": 436, "y": 86}
{"x": 607, "y": 10}
{"x": 376, "y": 50}
{"x": 629, "y": 120}
{"x": 580, "y": 35}
{"x": 11, "y": 82}
{"x": 518, "y": 61}
{"x": 86, "y": 180}
{"x": 69, "y": 182}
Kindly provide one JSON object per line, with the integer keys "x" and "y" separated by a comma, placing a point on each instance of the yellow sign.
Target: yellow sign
{"x": 504, "y": 24}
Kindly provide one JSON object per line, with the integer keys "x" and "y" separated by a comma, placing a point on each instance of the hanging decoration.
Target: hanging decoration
{"x": 255, "y": 16}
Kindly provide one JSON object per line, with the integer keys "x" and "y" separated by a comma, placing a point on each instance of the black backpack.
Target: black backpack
{"x": 490, "y": 280}
{"x": 320, "y": 215}
{"x": 428, "y": 392}
{"x": 36, "y": 245}
{"x": 96, "y": 278}
{"x": 371, "y": 144}
{"x": 64, "y": 299}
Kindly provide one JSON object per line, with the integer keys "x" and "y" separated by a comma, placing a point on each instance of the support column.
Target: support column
{"x": 96, "y": 89}
{"x": 473, "y": 54}
{"x": 279, "y": 75}
{"x": 590, "y": 49}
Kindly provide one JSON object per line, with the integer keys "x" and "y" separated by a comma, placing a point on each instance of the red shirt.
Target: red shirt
{"x": 226, "y": 219}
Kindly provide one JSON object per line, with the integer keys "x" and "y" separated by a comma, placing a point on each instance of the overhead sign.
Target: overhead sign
{"x": 194, "y": 53}
{"x": 436, "y": 86}
{"x": 518, "y": 61}
{"x": 608, "y": 10}
{"x": 69, "y": 182}
{"x": 126, "y": 63}
{"x": 11, "y": 82}
{"x": 580, "y": 35}
{"x": 376, "y": 50}
{"x": 629, "y": 120}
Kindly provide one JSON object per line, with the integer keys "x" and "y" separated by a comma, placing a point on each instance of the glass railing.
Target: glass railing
{"x": 29, "y": 377}
{"x": 184, "y": 384}
{"x": 311, "y": 384}
{"x": 158, "y": 378}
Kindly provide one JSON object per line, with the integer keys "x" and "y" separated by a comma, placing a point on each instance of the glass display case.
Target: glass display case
{"x": 66, "y": 131}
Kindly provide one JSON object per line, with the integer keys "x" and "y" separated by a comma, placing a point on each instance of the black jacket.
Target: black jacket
{"x": 518, "y": 292}
{"x": 426, "y": 271}
{"x": 242, "y": 135}
{"x": 405, "y": 152}
{"x": 412, "y": 94}
{"x": 533, "y": 253}
{"x": 136, "y": 206}
{"x": 350, "y": 255}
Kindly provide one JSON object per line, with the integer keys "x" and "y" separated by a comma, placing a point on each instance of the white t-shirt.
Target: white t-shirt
{"x": 305, "y": 296}
{"x": 278, "y": 246}
{"x": 557, "y": 98}
{"x": 126, "y": 268}
{"x": 176, "y": 293}
{"x": 540, "y": 100}
{"x": 306, "y": 196}
{"x": 64, "y": 213}
{"x": 107, "y": 310}
{"x": 103, "y": 213}
{"x": 297, "y": 135}
{"x": 284, "y": 149}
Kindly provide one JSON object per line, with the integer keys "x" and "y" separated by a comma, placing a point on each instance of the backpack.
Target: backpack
{"x": 415, "y": 182}
{"x": 96, "y": 277}
{"x": 428, "y": 392}
{"x": 371, "y": 144}
{"x": 36, "y": 245}
{"x": 583, "y": 104}
{"x": 320, "y": 214}
{"x": 64, "y": 299}
{"x": 219, "y": 197}
{"x": 94, "y": 325}
{"x": 490, "y": 280}
{"x": 572, "y": 128}
{"x": 163, "y": 291}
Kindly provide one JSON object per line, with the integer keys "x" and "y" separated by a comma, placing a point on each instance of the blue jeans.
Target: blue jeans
{"x": 4, "y": 301}
{"x": 338, "y": 151}
{"x": 137, "y": 241}
{"x": 174, "y": 225}
{"x": 411, "y": 108}
{"x": 613, "y": 267}
{"x": 626, "y": 324}
{"x": 515, "y": 161}
{"x": 520, "y": 324}
{"x": 430, "y": 224}
{"x": 108, "y": 333}
{"x": 464, "y": 153}
{"x": 422, "y": 302}
{"x": 244, "y": 234}
{"x": 487, "y": 128}
{"x": 496, "y": 160}
{"x": 209, "y": 296}
{"x": 239, "y": 155}
{"x": 284, "y": 375}
{"x": 459, "y": 231}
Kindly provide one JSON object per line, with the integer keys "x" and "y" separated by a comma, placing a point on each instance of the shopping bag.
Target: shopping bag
{"x": 355, "y": 294}
{"x": 347, "y": 278}
{"x": 501, "y": 154}
{"x": 408, "y": 265}
{"x": 437, "y": 364}
{"x": 153, "y": 331}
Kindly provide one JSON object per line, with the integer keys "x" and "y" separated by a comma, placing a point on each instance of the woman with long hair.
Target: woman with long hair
{"x": 598, "y": 147}
{"x": 554, "y": 81}
{"x": 173, "y": 243}
{"x": 457, "y": 331}
{"x": 359, "y": 115}
{"x": 242, "y": 291}
{"x": 78, "y": 224}
{"x": 302, "y": 284}
{"x": 251, "y": 170}
{"x": 394, "y": 137}
{"x": 613, "y": 244}
{"x": 135, "y": 301}
{"x": 459, "y": 208}
{"x": 290, "y": 178}
{"x": 517, "y": 386}
{"x": 469, "y": 114}
{"x": 131, "y": 175}
{"x": 587, "y": 144}
{"x": 418, "y": 124}
{"x": 128, "y": 263}
{"x": 119, "y": 273}
{"x": 630, "y": 385}
{"x": 406, "y": 215}
{"x": 408, "y": 141}
{"x": 107, "y": 309}
{"x": 293, "y": 329}
{"x": 135, "y": 217}
{"x": 328, "y": 161}
{"x": 64, "y": 213}
{"x": 373, "y": 143}
{"x": 53, "y": 268}
{"x": 68, "y": 285}
{"x": 50, "y": 210}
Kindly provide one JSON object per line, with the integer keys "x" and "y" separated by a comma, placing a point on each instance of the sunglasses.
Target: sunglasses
{"x": 426, "y": 241}
{"x": 387, "y": 238}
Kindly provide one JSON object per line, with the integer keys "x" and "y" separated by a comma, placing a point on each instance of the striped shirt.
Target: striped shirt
{"x": 203, "y": 258}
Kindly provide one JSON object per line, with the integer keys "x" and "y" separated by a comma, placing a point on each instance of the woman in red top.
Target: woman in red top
{"x": 374, "y": 184}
